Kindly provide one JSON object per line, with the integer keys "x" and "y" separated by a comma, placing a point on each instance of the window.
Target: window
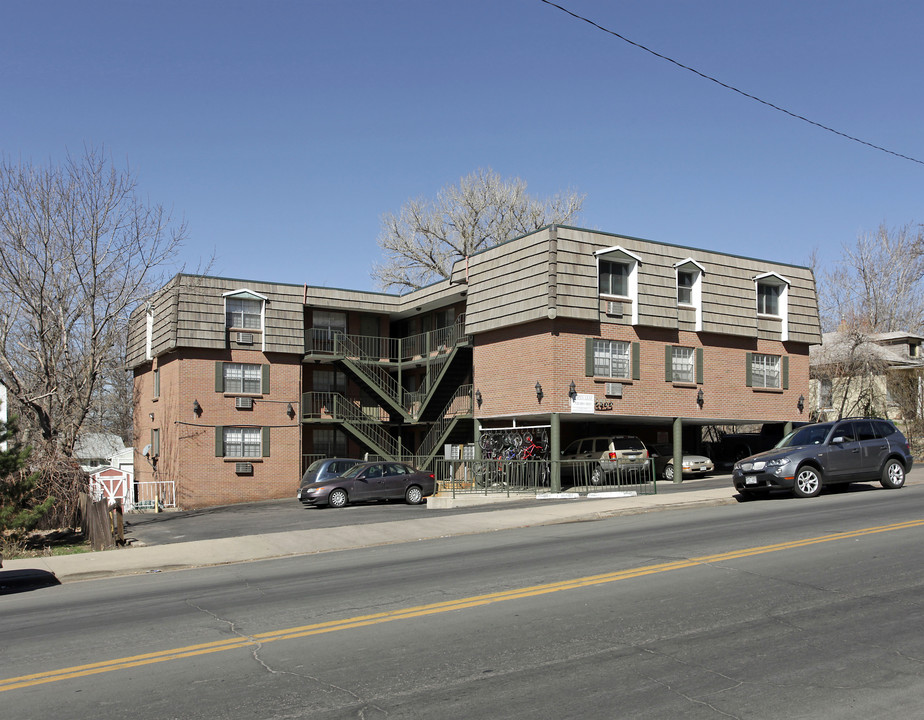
{"x": 825, "y": 393}
{"x": 241, "y": 378}
{"x": 329, "y": 381}
{"x": 611, "y": 359}
{"x": 614, "y": 278}
{"x": 768, "y": 299}
{"x": 682, "y": 368}
{"x": 329, "y": 441}
{"x": 765, "y": 371}
{"x": 155, "y": 442}
{"x": 685, "y": 282}
{"x": 244, "y": 313}
{"x": 242, "y": 442}
{"x": 157, "y": 382}
{"x": 332, "y": 322}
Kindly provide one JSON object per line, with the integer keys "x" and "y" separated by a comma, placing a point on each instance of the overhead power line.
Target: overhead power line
{"x": 730, "y": 87}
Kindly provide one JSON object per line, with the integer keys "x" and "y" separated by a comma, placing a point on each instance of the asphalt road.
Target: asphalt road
{"x": 245, "y": 519}
{"x": 781, "y": 608}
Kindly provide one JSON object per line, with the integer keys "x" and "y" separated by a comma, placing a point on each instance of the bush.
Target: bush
{"x": 20, "y": 511}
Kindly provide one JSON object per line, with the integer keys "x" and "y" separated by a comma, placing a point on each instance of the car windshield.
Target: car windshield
{"x": 808, "y": 435}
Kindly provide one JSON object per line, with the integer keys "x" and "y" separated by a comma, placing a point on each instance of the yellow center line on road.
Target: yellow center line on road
{"x": 431, "y": 609}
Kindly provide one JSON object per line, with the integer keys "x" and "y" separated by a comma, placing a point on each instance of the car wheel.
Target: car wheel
{"x": 596, "y": 477}
{"x": 337, "y": 498}
{"x": 808, "y": 482}
{"x": 413, "y": 495}
{"x": 893, "y": 475}
{"x": 669, "y": 471}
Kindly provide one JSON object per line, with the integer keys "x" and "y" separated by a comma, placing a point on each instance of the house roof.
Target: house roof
{"x": 843, "y": 347}
{"x": 97, "y": 445}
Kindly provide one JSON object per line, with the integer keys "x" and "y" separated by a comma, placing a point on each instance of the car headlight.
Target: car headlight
{"x": 779, "y": 462}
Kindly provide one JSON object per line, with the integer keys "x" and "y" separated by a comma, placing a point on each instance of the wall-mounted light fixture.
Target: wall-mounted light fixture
{"x": 801, "y": 403}
{"x": 572, "y": 391}
{"x": 197, "y": 408}
{"x": 290, "y": 411}
{"x": 538, "y": 391}
{"x": 151, "y": 415}
{"x": 478, "y": 397}
{"x": 699, "y": 398}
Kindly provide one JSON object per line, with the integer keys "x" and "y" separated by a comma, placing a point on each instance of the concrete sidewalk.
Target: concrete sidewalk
{"x": 138, "y": 560}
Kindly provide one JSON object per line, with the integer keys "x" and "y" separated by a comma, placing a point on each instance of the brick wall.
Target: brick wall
{"x": 187, "y": 442}
{"x": 509, "y": 362}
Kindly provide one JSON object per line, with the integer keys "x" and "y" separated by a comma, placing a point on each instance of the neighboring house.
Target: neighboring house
{"x": 239, "y": 384}
{"x": 93, "y": 450}
{"x": 860, "y": 374}
{"x": 123, "y": 460}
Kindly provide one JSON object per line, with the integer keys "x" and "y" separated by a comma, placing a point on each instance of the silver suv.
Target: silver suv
{"x": 600, "y": 460}
{"x": 843, "y": 451}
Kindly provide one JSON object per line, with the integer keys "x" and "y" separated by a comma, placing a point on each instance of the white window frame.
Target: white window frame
{"x": 764, "y": 367}
{"x": 238, "y": 375}
{"x": 618, "y": 254}
{"x": 683, "y": 364}
{"x": 248, "y": 439}
{"x": 618, "y": 354}
{"x": 772, "y": 279}
{"x": 698, "y": 272}
{"x": 247, "y": 295}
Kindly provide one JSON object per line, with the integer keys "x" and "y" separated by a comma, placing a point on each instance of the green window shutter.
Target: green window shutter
{"x": 589, "y": 357}
{"x": 266, "y": 370}
{"x": 668, "y": 363}
{"x": 219, "y": 377}
{"x": 699, "y": 366}
{"x": 784, "y": 371}
{"x": 219, "y": 441}
{"x": 266, "y": 442}
{"x": 636, "y": 354}
{"x": 748, "y": 359}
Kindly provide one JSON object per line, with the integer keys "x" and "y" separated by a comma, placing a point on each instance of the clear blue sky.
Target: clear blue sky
{"x": 282, "y": 131}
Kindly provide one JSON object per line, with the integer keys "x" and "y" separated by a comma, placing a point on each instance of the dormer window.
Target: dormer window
{"x": 690, "y": 288}
{"x": 244, "y": 310}
{"x": 773, "y": 300}
{"x": 617, "y": 276}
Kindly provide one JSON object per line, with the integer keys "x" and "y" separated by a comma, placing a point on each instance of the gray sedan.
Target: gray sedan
{"x": 371, "y": 481}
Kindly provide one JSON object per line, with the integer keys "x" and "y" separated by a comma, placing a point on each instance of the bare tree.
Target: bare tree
{"x": 878, "y": 285}
{"x": 426, "y": 237}
{"x": 854, "y": 368}
{"x": 78, "y": 249}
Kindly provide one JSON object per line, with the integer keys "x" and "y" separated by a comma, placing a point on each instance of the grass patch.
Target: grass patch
{"x": 49, "y": 543}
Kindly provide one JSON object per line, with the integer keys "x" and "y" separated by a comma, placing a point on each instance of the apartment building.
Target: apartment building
{"x": 238, "y": 383}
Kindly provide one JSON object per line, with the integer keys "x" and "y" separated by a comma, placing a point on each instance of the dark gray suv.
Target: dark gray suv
{"x": 843, "y": 451}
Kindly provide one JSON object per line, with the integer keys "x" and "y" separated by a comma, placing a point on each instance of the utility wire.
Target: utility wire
{"x": 730, "y": 87}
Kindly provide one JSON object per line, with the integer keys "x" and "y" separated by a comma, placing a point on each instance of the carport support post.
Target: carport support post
{"x": 787, "y": 428}
{"x": 555, "y": 452}
{"x": 678, "y": 451}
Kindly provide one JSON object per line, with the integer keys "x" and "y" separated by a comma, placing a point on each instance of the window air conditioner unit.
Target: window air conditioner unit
{"x": 614, "y": 309}
{"x": 243, "y": 468}
{"x": 243, "y": 403}
{"x": 245, "y": 338}
{"x": 614, "y": 390}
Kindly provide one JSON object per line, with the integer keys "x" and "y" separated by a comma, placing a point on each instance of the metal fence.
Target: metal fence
{"x": 512, "y": 475}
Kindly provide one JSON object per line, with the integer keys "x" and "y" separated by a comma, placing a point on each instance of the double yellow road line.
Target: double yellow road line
{"x": 424, "y": 610}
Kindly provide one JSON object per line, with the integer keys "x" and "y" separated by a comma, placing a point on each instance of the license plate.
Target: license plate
{"x": 750, "y": 481}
